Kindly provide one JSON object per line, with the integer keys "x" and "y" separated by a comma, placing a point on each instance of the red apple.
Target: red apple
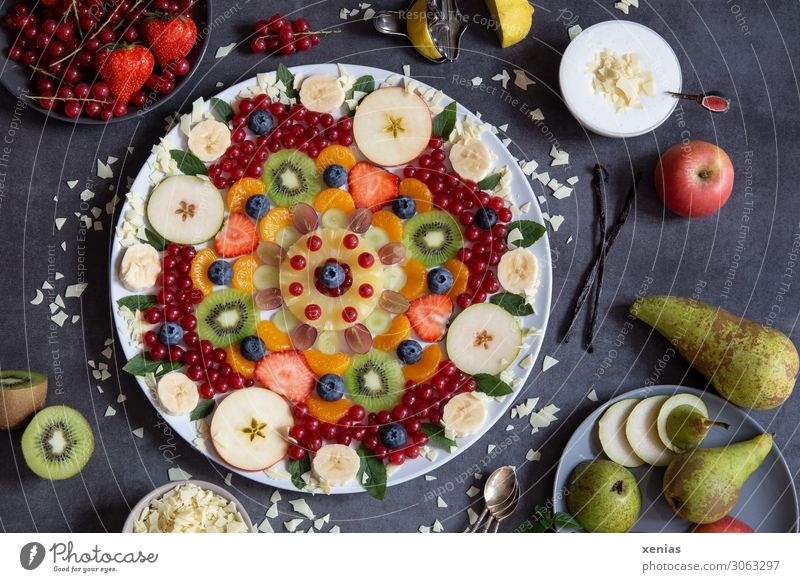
{"x": 727, "y": 524}
{"x": 694, "y": 178}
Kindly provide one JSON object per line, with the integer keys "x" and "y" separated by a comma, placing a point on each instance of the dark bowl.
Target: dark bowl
{"x": 16, "y": 78}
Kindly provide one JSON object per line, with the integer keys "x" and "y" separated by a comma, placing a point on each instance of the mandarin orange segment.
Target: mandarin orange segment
{"x": 389, "y": 222}
{"x": 460, "y": 275}
{"x": 334, "y": 198}
{"x": 241, "y": 191}
{"x": 322, "y": 364}
{"x": 324, "y": 411}
{"x": 399, "y": 330}
{"x": 239, "y": 363}
{"x": 199, "y": 271}
{"x": 273, "y": 222}
{"x": 416, "y": 279}
{"x": 426, "y": 367}
{"x": 418, "y": 192}
{"x": 275, "y": 339}
{"x": 243, "y": 270}
{"x": 336, "y": 154}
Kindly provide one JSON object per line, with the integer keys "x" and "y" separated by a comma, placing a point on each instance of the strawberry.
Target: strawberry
{"x": 372, "y": 187}
{"x": 286, "y": 373}
{"x": 124, "y": 69}
{"x": 428, "y": 316}
{"x": 237, "y": 237}
{"x": 170, "y": 37}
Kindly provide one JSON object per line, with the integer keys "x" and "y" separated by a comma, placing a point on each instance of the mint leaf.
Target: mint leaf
{"x": 515, "y": 304}
{"x": 203, "y": 409}
{"x": 155, "y": 240}
{"x": 492, "y": 385}
{"x": 221, "y": 109}
{"x": 490, "y": 182}
{"x": 134, "y": 302}
{"x": 141, "y": 365}
{"x": 565, "y": 521}
{"x": 188, "y": 163}
{"x": 436, "y": 436}
{"x": 531, "y": 232}
{"x": 297, "y": 469}
{"x": 375, "y": 471}
{"x": 365, "y": 84}
{"x": 445, "y": 121}
{"x": 285, "y": 76}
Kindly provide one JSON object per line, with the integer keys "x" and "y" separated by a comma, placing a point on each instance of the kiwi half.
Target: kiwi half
{"x": 375, "y": 381}
{"x": 433, "y": 238}
{"x": 22, "y": 393}
{"x": 57, "y": 443}
{"x": 291, "y": 177}
{"x": 226, "y": 317}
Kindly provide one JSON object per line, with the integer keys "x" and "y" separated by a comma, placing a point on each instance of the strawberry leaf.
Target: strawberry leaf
{"x": 188, "y": 163}
{"x": 445, "y": 121}
{"x": 375, "y": 472}
{"x": 221, "y": 109}
{"x": 515, "y": 304}
{"x": 203, "y": 409}
{"x": 492, "y": 385}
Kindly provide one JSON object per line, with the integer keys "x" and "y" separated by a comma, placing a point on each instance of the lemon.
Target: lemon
{"x": 514, "y": 19}
{"x": 418, "y": 33}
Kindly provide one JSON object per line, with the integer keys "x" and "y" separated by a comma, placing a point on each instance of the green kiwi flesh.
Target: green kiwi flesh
{"x": 375, "y": 381}
{"x": 226, "y": 317}
{"x": 432, "y": 238}
{"x": 57, "y": 443}
{"x": 291, "y": 177}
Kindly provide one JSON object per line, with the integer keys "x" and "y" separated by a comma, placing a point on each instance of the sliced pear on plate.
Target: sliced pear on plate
{"x": 671, "y": 404}
{"x": 641, "y": 429}
{"x": 611, "y": 430}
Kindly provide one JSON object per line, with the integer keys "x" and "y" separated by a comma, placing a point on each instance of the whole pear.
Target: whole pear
{"x": 603, "y": 496}
{"x": 703, "y": 485}
{"x": 750, "y": 364}
{"x": 687, "y": 427}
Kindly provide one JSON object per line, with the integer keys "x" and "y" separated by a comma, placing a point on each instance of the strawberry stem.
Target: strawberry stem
{"x": 81, "y": 99}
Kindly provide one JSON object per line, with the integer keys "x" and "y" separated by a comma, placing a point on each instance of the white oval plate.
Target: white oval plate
{"x": 522, "y": 193}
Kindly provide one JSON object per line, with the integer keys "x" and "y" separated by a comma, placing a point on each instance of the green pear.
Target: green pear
{"x": 603, "y": 496}
{"x": 750, "y": 364}
{"x": 687, "y": 427}
{"x": 703, "y": 485}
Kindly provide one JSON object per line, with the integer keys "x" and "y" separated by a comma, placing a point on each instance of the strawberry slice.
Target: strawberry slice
{"x": 428, "y": 316}
{"x": 371, "y": 187}
{"x": 286, "y": 373}
{"x": 237, "y": 237}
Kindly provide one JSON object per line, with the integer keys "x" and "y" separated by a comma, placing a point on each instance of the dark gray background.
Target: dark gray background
{"x": 746, "y": 50}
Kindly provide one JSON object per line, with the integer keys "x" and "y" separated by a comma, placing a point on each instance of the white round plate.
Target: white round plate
{"x": 597, "y": 113}
{"x": 768, "y": 502}
{"x": 522, "y": 193}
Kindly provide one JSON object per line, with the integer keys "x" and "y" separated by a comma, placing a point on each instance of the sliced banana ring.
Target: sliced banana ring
{"x": 321, "y": 94}
{"x": 140, "y": 267}
{"x": 471, "y": 159}
{"x": 177, "y": 393}
{"x": 518, "y": 271}
{"x": 209, "y": 139}
{"x": 335, "y": 464}
{"x": 464, "y": 415}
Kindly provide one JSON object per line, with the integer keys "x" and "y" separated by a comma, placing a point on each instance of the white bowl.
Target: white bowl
{"x": 597, "y": 113}
{"x": 159, "y": 491}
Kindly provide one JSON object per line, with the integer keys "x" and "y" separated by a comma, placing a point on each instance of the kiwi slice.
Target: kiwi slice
{"x": 226, "y": 317}
{"x": 22, "y": 393}
{"x": 291, "y": 177}
{"x": 433, "y": 238}
{"x": 375, "y": 381}
{"x": 57, "y": 443}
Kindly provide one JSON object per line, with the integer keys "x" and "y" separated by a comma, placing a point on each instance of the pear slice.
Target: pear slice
{"x": 671, "y": 404}
{"x": 641, "y": 429}
{"x": 611, "y": 430}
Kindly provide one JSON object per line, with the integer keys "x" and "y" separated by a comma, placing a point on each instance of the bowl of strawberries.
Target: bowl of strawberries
{"x": 100, "y": 61}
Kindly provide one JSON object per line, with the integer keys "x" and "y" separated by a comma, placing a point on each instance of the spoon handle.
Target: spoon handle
{"x": 479, "y": 520}
{"x": 487, "y": 524}
{"x": 496, "y": 526}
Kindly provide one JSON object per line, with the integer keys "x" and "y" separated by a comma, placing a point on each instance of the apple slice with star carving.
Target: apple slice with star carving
{"x": 250, "y": 429}
{"x": 391, "y": 126}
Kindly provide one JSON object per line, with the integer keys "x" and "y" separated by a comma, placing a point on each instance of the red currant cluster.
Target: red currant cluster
{"x": 278, "y": 33}
{"x": 308, "y": 432}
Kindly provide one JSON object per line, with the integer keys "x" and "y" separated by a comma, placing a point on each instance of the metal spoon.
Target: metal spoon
{"x": 505, "y": 511}
{"x": 500, "y": 487}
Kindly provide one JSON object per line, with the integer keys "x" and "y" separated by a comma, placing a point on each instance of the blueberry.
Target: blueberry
{"x": 220, "y": 272}
{"x": 394, "y": 436}
{"x": 331, "y": 275}
{"x": 330, "y": 387}
{"x": 440, "y": 280}
{"x": 261, "y": 122}
{"x": 335, "y": 176}
{"x": 257, "y": 206}
{"x": 409, "y": 351}
{"x": 485, "y": 218}
{"x": 253, "y": 348}
{"x": 170, "y": 334}
{"x": 404, "y": 207}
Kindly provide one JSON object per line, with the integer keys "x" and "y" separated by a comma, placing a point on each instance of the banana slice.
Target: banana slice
{"x": 464, "y": 415}
{"x": 140, "y": 267}
{"x": 209, "y": 139}
{"x": 322, "y": 94}
{"x": 518, "y": 271}
{"x": 177, "y": 393}
{"x": 471, "y": 159}
{"x": 335, "y": 464}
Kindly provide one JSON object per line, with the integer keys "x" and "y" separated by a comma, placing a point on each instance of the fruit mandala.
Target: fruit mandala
{"x": 328, "y": 275}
